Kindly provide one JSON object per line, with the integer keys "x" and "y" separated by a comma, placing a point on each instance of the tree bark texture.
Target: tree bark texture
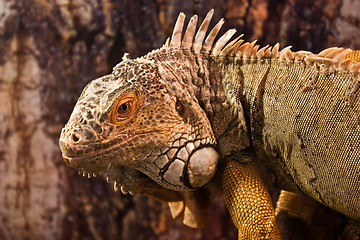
{"x": 50, "y": 49}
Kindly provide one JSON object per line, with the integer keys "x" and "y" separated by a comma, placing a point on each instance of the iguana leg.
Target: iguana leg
{"x": 300, "y": 217}
{"x": 296, "y": 205}
{"x": 295, "y": 214}
{"x": 249, "y": 202}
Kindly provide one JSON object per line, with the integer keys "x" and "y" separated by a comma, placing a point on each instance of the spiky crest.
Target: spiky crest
{"x": 344, "y": 59}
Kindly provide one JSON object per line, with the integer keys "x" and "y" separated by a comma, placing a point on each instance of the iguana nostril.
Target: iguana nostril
{"x": 75, "y": 137}
{"x": 81, "y": 135}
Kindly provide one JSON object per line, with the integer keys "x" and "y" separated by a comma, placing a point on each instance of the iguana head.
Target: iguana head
{"x": 130, "y": 118}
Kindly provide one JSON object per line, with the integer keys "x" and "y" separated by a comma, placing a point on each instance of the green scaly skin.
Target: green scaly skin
{"x": 175, "y": 122}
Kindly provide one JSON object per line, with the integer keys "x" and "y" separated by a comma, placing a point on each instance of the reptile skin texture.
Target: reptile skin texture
{"x": 245, "y": 194}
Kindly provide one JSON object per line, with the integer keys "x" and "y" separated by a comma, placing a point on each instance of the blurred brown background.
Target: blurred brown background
{"x": 49, "y": 49}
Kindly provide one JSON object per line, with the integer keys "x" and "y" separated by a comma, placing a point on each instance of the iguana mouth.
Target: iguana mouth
{"x": 118, "y": 183}
{"x": 76, "y": 155}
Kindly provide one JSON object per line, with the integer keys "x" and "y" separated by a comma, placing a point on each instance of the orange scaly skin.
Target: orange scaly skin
{"x": 172, "y": 123}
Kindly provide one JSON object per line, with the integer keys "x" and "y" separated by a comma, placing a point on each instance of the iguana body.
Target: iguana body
{"x": 192, "y": 112}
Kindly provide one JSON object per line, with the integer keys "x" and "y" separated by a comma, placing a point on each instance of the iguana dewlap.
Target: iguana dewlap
{"x": 171, "y": 123}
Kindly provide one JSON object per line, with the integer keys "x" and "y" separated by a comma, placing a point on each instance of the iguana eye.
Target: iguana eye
{"x": 124, "y": 108}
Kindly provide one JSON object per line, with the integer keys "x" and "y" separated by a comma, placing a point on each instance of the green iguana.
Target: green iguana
{"x": 175, "y": 123}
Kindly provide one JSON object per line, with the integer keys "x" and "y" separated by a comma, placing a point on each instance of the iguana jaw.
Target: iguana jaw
{"x": 165, "y": 162}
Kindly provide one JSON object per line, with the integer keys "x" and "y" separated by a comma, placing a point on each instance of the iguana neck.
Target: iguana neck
{"x": 213, "y": 84}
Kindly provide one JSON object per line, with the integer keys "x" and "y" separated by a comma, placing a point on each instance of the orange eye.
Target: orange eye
{"x": 124, "y": 108}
